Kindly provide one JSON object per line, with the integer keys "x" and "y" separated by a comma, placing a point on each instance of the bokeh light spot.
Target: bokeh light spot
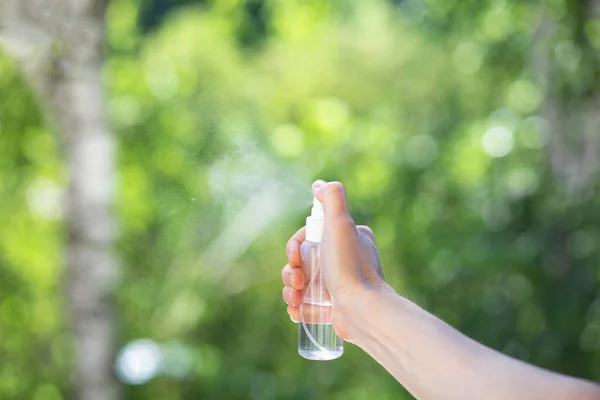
{"x": 567, "y": 54}
{"x": 177, "y": 360}
{"x": 41, "y": 147}
{"x": 519, "y": 288}
{"x": 421, "y": 151}
{"x": 580, "y": 244}
{"x": 504, "y": 117}
{"x": 497, "y": 141}
{"x": 124, "y": 111}
{"x": 592, "y": 31}
{"x": 521, "y": 182}
{"x": 524, "y": 96}
{"x": 331, "y": 113}
{"x": 413, "y": 10}
{"x": 161, "y": 78}
{"x": 494, "y": 299}
{"x": 468, "y": 57}
{"x": 534, "y": 132}
{"x": 497, "y": 22}
{"x": 288, "y": 140}
{"x": 139, "y": 361}
{"x": 531, "y": 320}
{"x": 44, "y": 198}
{"x": 495, "y": 214}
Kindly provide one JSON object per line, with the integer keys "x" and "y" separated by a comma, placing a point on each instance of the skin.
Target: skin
{"x": 426, "y": 355}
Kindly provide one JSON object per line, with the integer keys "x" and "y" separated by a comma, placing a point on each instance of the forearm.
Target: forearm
{"x": 435, "y": 361}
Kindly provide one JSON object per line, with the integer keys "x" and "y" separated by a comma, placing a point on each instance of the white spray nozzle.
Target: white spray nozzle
{"x": 315, "y": 223}
{"x": 317, "y": 210}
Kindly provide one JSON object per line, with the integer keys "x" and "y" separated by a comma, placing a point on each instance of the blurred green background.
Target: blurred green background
{"x": 436, "y": 114}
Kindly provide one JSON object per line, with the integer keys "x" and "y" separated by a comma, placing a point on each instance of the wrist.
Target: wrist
{"x": 367, "y": 307}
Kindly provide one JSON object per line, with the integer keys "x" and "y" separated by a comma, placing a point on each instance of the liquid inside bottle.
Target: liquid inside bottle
{"x": 317, "y": 339}
{"x": 330, "y": 347}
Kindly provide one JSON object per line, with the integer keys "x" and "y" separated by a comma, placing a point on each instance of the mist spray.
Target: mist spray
{"x": 317, "y": 339}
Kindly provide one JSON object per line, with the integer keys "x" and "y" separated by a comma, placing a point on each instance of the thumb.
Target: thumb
{"x": 339, "y": 226}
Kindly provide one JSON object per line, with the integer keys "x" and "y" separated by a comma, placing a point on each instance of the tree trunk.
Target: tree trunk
{"x": 59, "y": 45}
{"x": 571, "y": 112}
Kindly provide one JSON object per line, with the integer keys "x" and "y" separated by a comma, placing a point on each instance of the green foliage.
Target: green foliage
{"x": 405, "y": 103}
{"x": 34, "y": 347}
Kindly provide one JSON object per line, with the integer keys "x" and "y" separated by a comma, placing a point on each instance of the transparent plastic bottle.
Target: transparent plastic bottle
{"x": 317, "y": 339}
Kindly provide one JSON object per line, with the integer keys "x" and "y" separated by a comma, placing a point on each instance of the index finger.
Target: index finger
{"x": 292, "y": 249}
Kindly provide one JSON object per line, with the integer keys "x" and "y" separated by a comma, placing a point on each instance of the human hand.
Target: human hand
{"x": 349, "y": 259}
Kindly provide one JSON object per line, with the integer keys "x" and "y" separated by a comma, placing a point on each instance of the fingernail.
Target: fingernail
{"x": 318, "y": 186}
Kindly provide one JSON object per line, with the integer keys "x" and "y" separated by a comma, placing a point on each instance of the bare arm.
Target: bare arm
{"x": 435, "y": 361}
{"x": 430, "y": 358}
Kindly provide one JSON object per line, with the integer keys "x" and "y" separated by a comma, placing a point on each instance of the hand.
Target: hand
{"x": 349, "y": 259}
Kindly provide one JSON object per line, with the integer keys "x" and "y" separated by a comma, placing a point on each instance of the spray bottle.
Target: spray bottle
{"x": 317, "y": 339}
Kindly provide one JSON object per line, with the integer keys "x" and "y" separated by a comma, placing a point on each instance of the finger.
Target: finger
{"x": 318, "y": 189}
{"x": 311, "y": 315}
{"x": 335, "y": 204}
{"x": 297, "y": 279}
{"x": 286, "y": 275}
{"x": 367, "y": 232}
{"x": 292, "y": 296}
{"x": 292, "y": 249}
{"x": 339, "y": 226}
{"x": 334, "y": 194}
{"x": 314, "y": 314}
{"x": 294, "y": 313}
